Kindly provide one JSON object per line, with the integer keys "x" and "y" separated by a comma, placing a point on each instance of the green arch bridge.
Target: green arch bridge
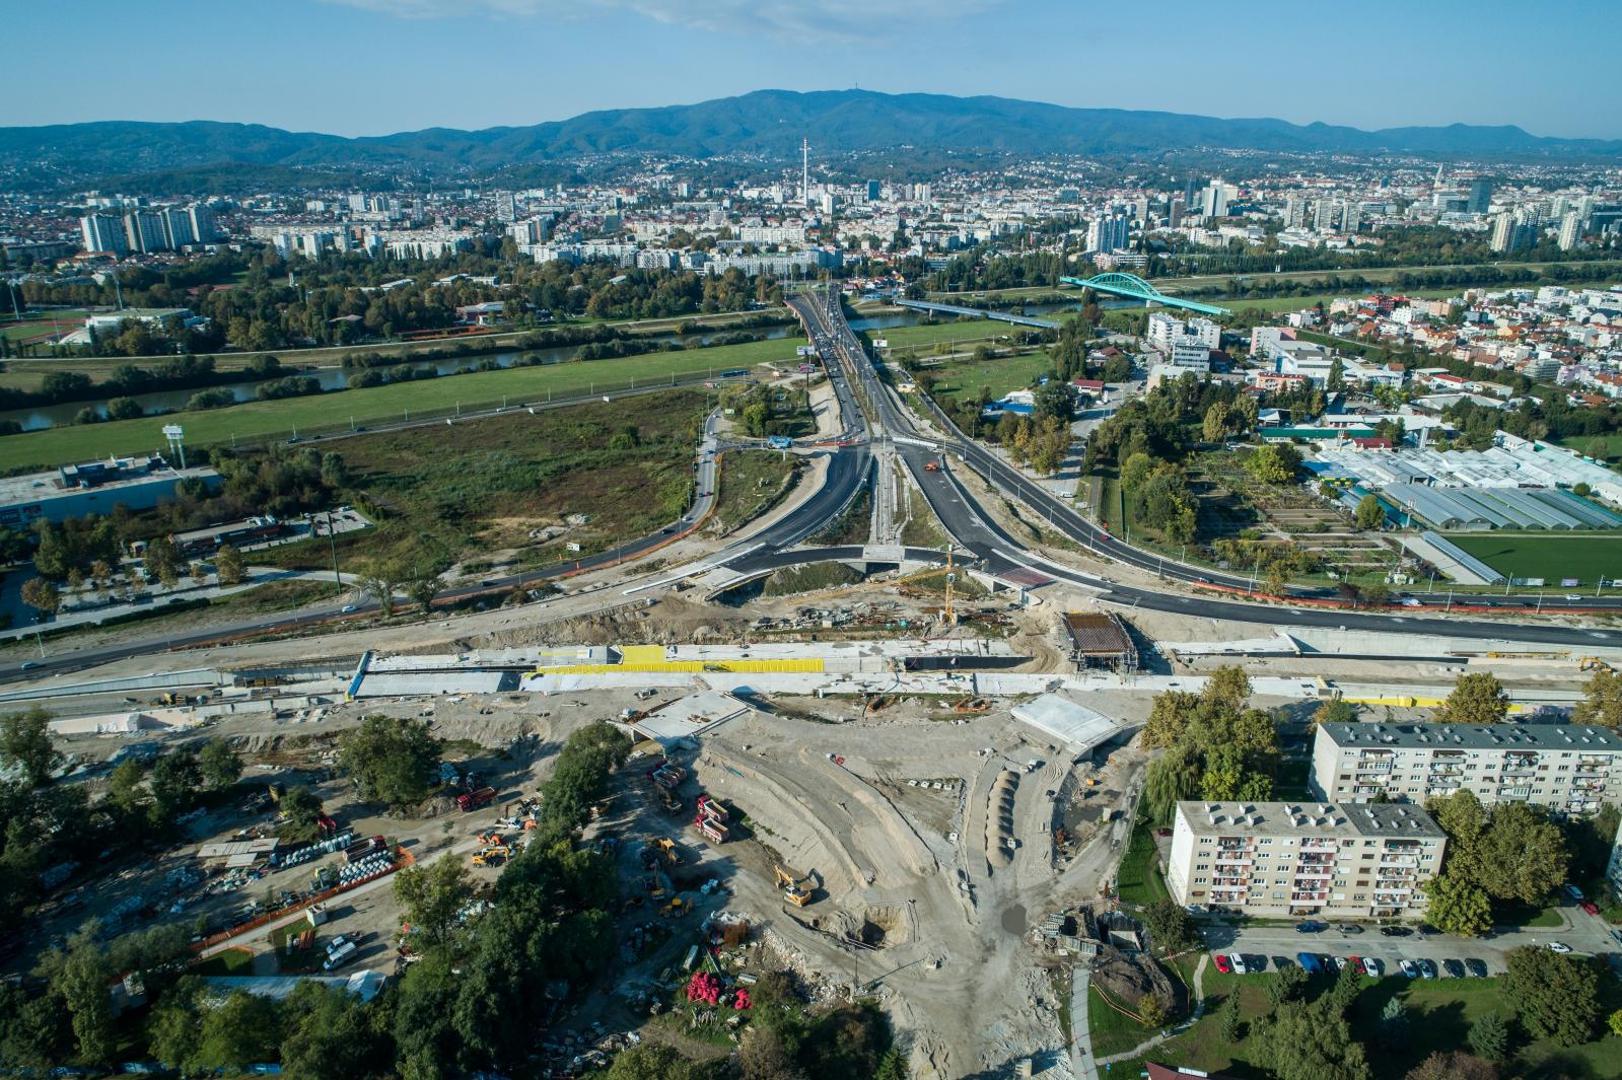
{"x": 1135, "y": 288}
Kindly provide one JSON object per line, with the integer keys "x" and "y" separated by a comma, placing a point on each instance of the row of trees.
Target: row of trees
{"x": 1215, "y": 746}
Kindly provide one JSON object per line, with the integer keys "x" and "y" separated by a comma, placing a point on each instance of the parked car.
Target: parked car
{"x": 1453, "y": 969}
{"x": 1590, "y": 907}
{"x": 1223, "y": 964}
{"x": 1373, "y": 968}
{"x": 1408, "y": 968}
{"x": 1427, "y": 969}
{"x": 1395, "y": 931}
{"x": 1356, "y": 963}
{"x": 1310, "y": 927}
{"x": 1476, "y": 967}
{"x": 1349, "y": 928}
{"x": 1309, "y": 962}
{"x": 1573, "y": 891}
{"x": 1340, "y": 963}
{"x": 1238, "y": 962}
{"x": 1559, "y": 947}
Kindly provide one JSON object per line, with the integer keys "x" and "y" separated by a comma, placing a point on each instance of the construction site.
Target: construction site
{"x": 894, "y": 803}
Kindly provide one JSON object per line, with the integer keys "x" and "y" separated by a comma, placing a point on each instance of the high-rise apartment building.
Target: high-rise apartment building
{"x": 103, "y": 233}
{"x": 1571, "y": 230}
{"x": 1480, "y": 195}
{"x": 203, "y": 225}
{"x": 177, "y": 230}
{"x": 1298, "y": 859}
{"x": 1569, "y": 768}
{"x": 1109, "y": 232}
{"x": 143, "y": 231}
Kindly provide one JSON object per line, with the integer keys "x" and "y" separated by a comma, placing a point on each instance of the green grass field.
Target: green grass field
{"x": 257, "y": 420}
{"x": 1603, "y": 447}
{"x": 1548, "y": 555}
{"x": 65, "y": 321}
{"x": 1138, "y": 880}
{"x": 486, "y": 485}
{"x": 904, "y": 337}
{"x": 965, "y": 377}
{"x": 1440, "y": 1013}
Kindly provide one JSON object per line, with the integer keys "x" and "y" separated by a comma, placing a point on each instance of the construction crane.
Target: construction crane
{"x": 794, "y": 884}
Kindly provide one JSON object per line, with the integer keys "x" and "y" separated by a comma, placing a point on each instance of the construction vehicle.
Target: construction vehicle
{"x": 713, "y": 809}
{"x": 475, "y": 800}
{"x": 667, "y": 846}
{"x": 932, "y": 466}
{"x": 675, "y": 909}
{"x": 1593, "y": 663}
{"x": 492, "y": 856}
{"x": 490, "y": 838}
{"x": 794, "y": 884}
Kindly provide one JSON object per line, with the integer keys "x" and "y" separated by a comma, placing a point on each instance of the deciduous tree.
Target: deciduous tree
{"x": 1478, "y": 699}
{"x": 1556, "y": 996}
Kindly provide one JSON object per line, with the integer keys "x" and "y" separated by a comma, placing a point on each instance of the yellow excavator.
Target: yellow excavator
{"x": 795, "y": 885}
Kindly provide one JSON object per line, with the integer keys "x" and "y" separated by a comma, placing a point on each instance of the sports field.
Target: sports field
{"x": 1548, "y": 555}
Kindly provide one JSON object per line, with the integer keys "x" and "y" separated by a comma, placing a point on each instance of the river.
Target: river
{"x": 336, "y": 378}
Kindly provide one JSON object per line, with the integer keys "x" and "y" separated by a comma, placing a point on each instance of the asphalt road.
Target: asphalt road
{"x": 971, "y": 526}
{"x": 1584, "y": 933}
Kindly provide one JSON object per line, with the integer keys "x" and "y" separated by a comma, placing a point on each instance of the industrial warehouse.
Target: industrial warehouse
{"x": 1517, "y": 484}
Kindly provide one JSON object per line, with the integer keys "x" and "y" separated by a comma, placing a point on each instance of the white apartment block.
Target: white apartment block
{"x": 1567, "y": 768}
{"x": 1300, "y": 859}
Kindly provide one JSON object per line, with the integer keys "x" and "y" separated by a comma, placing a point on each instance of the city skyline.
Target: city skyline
{"x": 414, "y": 64}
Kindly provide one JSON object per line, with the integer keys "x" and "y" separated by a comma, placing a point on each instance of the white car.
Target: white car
{"x": 1409, "y": 969}
{"x": 1238, "y": 963}
{"x": 1373, "y": 968}
{"x": 1559, "y": 947}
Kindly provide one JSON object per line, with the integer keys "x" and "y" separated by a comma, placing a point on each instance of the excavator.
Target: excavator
{"x": 494, "y": 855}
{"x": 795, "y": 885}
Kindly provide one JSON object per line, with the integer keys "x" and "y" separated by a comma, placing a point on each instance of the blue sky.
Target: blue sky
{"x": 365, "y": 67}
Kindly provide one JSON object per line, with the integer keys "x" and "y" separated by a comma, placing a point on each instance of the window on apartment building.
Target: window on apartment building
{"x": 1202, "y": 866}
{"x": 1265, "y": 840}
{"x": 1278, "y": 896}
{"x": 1361, "y": 896}
{"x": 1201, "y": 880}
{"x": 1362, "y": 884}
{"x": 1205, "y": 839}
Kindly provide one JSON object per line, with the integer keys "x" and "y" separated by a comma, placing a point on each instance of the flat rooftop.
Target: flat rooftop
{"x": 1078, "y": 727}
{"x": 1346, "y": 820}
{"x": 1536, "y": 736}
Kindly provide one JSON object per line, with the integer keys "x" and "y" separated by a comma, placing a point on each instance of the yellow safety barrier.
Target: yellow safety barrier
{"x": 811, "y": 665}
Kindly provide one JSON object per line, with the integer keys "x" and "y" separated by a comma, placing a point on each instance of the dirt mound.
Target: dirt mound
{"x": 1129, "y": 979}
{"x": 674, "y": 620}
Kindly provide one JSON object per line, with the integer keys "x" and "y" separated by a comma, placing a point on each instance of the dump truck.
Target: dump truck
{"x": 475, "y": 800}
{"x": 712, "y": 810}
{"x": 794, "y": 884}
{"x": 357, "y": 851}
{"x": 713, "y": 831}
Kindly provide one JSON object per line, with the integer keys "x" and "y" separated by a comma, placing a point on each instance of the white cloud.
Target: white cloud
{"x": 788, "y": 18}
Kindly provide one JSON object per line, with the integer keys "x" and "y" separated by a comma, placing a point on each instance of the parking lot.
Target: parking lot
{"x": 1582, "y": 932}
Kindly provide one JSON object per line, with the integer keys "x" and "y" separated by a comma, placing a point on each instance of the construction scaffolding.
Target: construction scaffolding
{"x": 1099, "y": 639}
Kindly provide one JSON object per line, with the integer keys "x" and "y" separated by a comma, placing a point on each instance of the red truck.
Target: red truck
{"x": 364, "y": 847}
{"x": 475, "y": 800}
